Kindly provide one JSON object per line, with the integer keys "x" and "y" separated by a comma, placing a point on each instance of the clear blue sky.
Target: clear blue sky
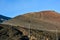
{"x": 13, "y": 8}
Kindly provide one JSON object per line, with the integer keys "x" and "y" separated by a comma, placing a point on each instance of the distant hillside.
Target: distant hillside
{"x": 3, "y": 18}
{"x": 44, "y": 20}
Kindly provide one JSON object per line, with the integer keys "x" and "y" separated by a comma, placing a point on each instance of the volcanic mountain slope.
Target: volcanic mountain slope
{"x": 3, "y": 18}
{"x": 44, "y": 20}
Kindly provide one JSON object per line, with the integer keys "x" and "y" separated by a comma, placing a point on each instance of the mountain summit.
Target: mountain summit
{"x": 37, "y": 20}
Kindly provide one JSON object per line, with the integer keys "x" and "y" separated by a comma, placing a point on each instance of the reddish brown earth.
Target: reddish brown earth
{"x": 35, "y": 25}
{"x": 48, "y": 20}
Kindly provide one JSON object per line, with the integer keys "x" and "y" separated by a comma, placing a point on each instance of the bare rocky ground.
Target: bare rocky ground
{"x": 8, "y": 32}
